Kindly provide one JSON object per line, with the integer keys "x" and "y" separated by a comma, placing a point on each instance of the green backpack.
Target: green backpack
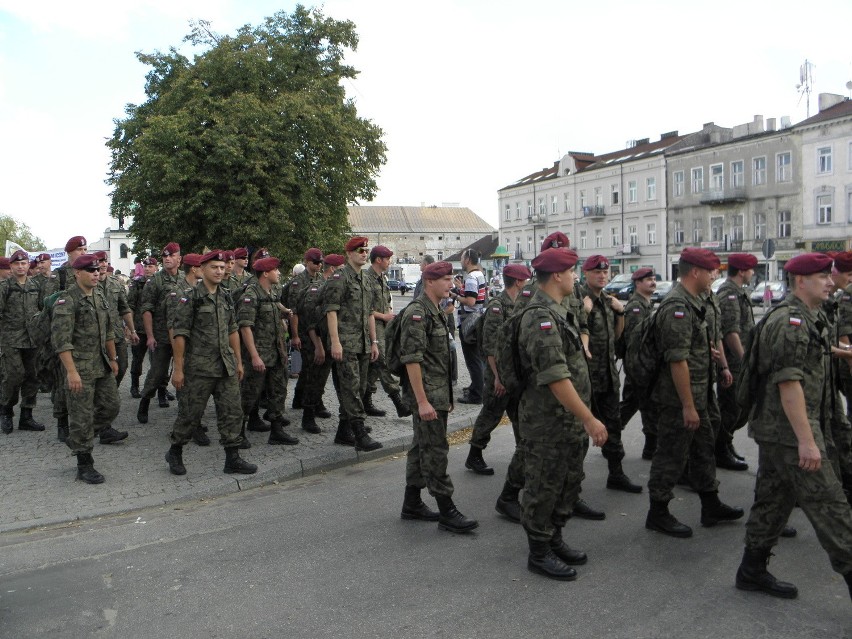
{"x": 642, "y": 358}
{"x": 749, "y": 381}
{"x": 508, "y": 359}
{"x": 393, "y": 340}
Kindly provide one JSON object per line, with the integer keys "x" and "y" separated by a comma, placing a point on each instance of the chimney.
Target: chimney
{"x": 757, "y": 125}
{"x": 770, "y": 124}
{"x": 828, "y": 100}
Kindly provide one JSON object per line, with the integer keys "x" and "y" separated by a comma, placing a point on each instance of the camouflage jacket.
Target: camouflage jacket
{"x": 311, "y": 313}
{"x": 81, "y": 323}
{"x": 844, "y": 313}
{"x": 601, "y": 325}
{"x": 116, "y": 296}
{"x": 60, "y": 280}
{"x": 182, "y": 289}
{"x": 572, "y": 302}
{"x": 736, "y": 315}
{"x": 424, "y": 340}
{"x": 349, "y": 294}
{"x": 259, "y": 311}
{"x": 382, "y": 300}
{"x": 636, "y": 309}
{"x": 499, "y": 309}
{"x": 134, "y": 300}
{"x": 18, "y": 303}
{"x": 156, "y": 295}
{"x": 206, "y": 320}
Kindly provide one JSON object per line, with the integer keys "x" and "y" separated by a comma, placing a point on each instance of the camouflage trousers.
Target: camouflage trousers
{"x": 780, "y": 485}
{"x": 138, "y": 356}
{"x": 121, "y": 354}
{"x": 352, "y": 373}
{"x": 631, "y": 402}
{"x": 315, "y": 376}
{"x": 605, "y": 406}
{"x": 731, "y": 416}
{"x": 19, "y": 376}
{"x": 193, "y": 401}
{"x": 553, "y": 473}
{"x": 57, "y": 395}
{"x": 492, "y": 411}
{"x": 838, "y": 443}
{"x": 273, "y": 380}
{"x": 158, "y": 373}
{"x": 676, "y": 445}
{"x": 426, "y": 464}
{"x": 90, "y": 411}
{"x": 379, "y": 370}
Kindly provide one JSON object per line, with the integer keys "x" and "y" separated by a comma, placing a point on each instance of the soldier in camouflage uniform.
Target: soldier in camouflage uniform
{"x": 606, "y": 322}
{"x": 292, "y": 294}
{"x": 155, "y": 299}
{"x": 681, "y": 392}
{"x": 352, "y": 333}
{"x": 555, "y": 419}
{"x": 82, "y": 334}
{"x": 639, "y": 307}
{"x": 19, "y": 301}
{"x": 240, "y": 274}
{"x": 737, "y": 320}
{"x": 134, "y": 300}
{"x": 43, "y": 272}
{"x": 262, "y": 332}
{"x": 425, "y": 350}
{"x": 787, "y": 423}
{"x": 382, "y": 314}
{"x": 207, "y": 362}
{"x": 843, "y": 263}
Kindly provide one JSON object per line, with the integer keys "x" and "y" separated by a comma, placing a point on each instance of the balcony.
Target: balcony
{"x": 724, "y": 196}
{"x": 594, "y": 211}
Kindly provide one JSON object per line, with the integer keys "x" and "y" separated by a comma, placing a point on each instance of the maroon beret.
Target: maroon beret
{"x": 150, "y": 261}
{"x": 808, "y": 264}
{"x": 240, "y": 253}
{"x": 313, "y": 255}
{"x": 43, "y": 257}
{"x": 333, "y": 259}
{"x": 192, "y": 259}
{"x": 555, "y": 260}
{"x": 229, "y": 255}
{"x": 19, "y": 256}
{"x": 642, "y": 273}
{"x": 742, "y": 261}
{"x": 843, "y": 261}
{"x": 266, "y": 264}
{"x": 4, "y": 263}
{"x": 555, "y": 240}
{"x": 34, "y": 264}
{"x": 217, "y": 255}
{"x": 357, "y": 242}
{"x": 87, "y": 260}
{"x": 170, "y": 249}
{"x": 74, "y": 243}
{"x": 110, "y": 269}
{"x": 101, "y": 255}
{"x": 702, "y": 258}
{"x": 517, "y": 271}
{"x": 595, "y": 263}
{"x": 380, "y": 251}
{"x": 437, "y": 270}
{"x": 260, "y": 253}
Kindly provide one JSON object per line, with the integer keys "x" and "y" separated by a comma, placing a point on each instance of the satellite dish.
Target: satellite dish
{"x": 849, "y": 85}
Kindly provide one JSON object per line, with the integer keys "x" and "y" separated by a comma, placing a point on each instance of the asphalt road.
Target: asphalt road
{"x": 328, "y": 556}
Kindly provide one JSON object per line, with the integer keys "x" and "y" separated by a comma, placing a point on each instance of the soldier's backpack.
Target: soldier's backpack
{"x": 749, "y": 381}
{"x": 642, "y": 357}
{"x": 38, "y": 327}
{"x": 393, "y": 340}
{"x": 508, "y": 359}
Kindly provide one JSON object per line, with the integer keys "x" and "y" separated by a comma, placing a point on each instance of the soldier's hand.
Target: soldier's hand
{"x": 257, "y": 364}
{"x": 75, "y": 384}
{"x": 114, "y": 366}
{"x": 587, "y": 352}
{"x": 810, "y": 458}
{"x": 133, "y": 337}
{"x": 240, "y": 371}
{"x": 319, "y": 356}
{"x": 691, "y": 420}
{"x": 596, "y": 431}
{"x": 716, "y": 354}
{"x": 587, "y": 304}
{"x": 374, "y": 352}
{"x": 177, "y": 379}
{"x": 725, "y": 378}
{"x": 616, "y": 305}
{"x": 151, "y": 343}
{"x": 426, "y": 412}
{"x": 499, "y": 389}
{"x": 296, "y": 343}
{"x": 337, "y": 352}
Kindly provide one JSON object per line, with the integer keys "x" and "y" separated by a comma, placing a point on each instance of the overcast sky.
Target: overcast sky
{"x": 471, "y": 94}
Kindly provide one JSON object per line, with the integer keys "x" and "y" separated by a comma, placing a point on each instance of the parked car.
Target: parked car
{"x": 717, "y": 284}
{"x": 393, "y": 285}
{"x": 663, "y": 289}
{"x": 621, "y": 286}
{"x": 399, "y": 285}
{"x": 778, "y": 290}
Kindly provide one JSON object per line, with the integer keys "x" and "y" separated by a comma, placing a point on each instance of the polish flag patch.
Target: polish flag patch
{"x": 496, "y": 309}
{"x": 336, "y": 276}
{"x": 59, "y": 302}
{"x": 795, "y": 321}
{"x": 526, "y": 293}
{"x": 183, "y": 300}
{"x": 679, "y": 314}
{"x": 246, "y": 300}
{"x": 732, "y": 297}
{"x": 637, "y": 310}
{"x": 416, "y": 318}
{"x": 546, "y": 326}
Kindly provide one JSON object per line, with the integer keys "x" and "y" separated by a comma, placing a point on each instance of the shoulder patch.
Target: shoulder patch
{"x": 732, "y": 297}
{"x": 172, "y": 294}
{"x": 246, "y": 300}
{"x": 546, "y": 326}
{"x": 295, "y": 283}
{"x": 336, "y": 276}
{"x": 637, "y": 310}
{"x": 846, "y": 298}
{"x": 795, "y": 321}
{"x": 679, "y": 314}
{"x": 416, "y": 318}
{"x": 314, "y": 289}
{"x": 184, "y": 300}
{"x": 496, "y": 309}
{"x": 60, "y": 301}
{"x": 526, "y": 293}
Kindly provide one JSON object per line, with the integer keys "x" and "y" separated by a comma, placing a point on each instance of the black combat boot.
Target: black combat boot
{"x": 713, "y": 511}
{"x": 650, "y": 447}
{"x": 309, "y": 424}
{"x": 297, "y": 398}
{"x": 660, "y": 519}
{"x": 584, "y": 511}
{"x": 236, "y": 464}
{"x": 508, "y": 504}
{"x": 322, "y": 412}
{"x": 617, "y": 480}
{"x": 278, "y": 435}
{"x": 134, "y": 387}
{"x": 733, "y": 450}
{"x": 344, "y": 435}
{"x": 255, "y": 423}
{"x": 169, "y": 395}
{"x": 62, "y": 428}
{"x": 414, "y": 508}
{"x": 369, "y": 409}
{"x": 752, "y": 575}
{"x": 26, "y": 421}
{"x": 109, "y": 435}
{"x": 543, "y": 561}
{"x": 267, "y": 417}
{"x": 725, "y": 459}
{"x": 451, "y": 519}
{"x": 199, "y": 436}
{"x": 476, "y": 463}
{"x": 6, "y": 423}
{"x": 174, "y": 458}
{"x": 142, "y": 411}
{"x": 401, "y": 409}
{"x": 245, "y": 444}
{"x": 848, "y": 578}
{"x": 564, "y": 552}
{"x": 363, "y": 441}
{"x": 788, "y": 532}
{"x": 86, "y": 469}
{"x": 161, "y": 397}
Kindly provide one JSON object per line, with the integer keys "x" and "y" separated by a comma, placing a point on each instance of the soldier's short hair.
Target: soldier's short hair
{"x": 732, "y": 271}
{"x": 508, "y": 282}
{"x": 684, "y": 268}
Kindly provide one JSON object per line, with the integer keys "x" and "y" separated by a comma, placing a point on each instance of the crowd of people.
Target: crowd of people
{"x": 220, "y": 324}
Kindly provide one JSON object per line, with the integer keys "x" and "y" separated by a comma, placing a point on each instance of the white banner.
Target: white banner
{"x": 58, "y": 256}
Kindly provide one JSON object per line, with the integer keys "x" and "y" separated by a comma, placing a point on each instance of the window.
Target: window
{"x": 123, "y": 251}
{"x": 785, "y": 226}
{"x": 698, "y": 180}
{"x": 517, "y": 210}
{"x": 717, "y": 177}
{"x": 651, "y": 188}
{"x": 508, "y": 212}
{"x": 678, "y": 231}
{"x": 632, "y": 192}
{"x": 553, "y": 204}
{"x": 717, "y": 229}
{"x": 542, "y": 209}
{"x": 614, "y": 236}
{"x": 737, "y": 228}
{"x": 566, "y": 197}
{"x": 677, "y": 188}
{"x": 614, "y": 193}
{"x": 651, "y": 227}
{"x": 582, "y": 239}
{"x": 737, "y": 174}
{"x": 784, "y": 171}
{"x": 633, "y": 234}
{"x": 582, "y": 199}
{"x": 598, "y": 238}
{"x": 517, "y": 248}
{"x": 824, "y": 209}
{"x": 440, "y": 256}
{"x": 598, "y": 196}
{"x": 824, "y": 160}
{"x": 529, "y": 243}
{"x": 758, "y": 171}
{"x": 760, "y": 226}
{"x": 697, "y": 231}
{"x": 529, "y": 208}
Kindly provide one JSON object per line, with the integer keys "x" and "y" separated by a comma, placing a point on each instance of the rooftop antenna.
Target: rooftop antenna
{"x": 806, "y": 81}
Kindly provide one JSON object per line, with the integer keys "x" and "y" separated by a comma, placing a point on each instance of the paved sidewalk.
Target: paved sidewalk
{"x": 38, "y": 485}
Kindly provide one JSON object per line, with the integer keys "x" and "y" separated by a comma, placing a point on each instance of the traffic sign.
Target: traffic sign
{"x": 768, "y": 248}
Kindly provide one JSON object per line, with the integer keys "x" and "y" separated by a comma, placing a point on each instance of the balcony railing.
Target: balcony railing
{"x": 724, "y": 196}
{"x": 594, "y": 211}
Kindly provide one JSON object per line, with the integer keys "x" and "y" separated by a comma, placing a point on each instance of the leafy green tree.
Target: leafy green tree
{"x": 253, "y": 142}
{"x": 19, "y": 233}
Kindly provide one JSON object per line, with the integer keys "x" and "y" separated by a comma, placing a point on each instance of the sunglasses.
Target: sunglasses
{"x": 317, "y": 262}
{"x": 91, "y": 269}
{"x": 363, "y": 250}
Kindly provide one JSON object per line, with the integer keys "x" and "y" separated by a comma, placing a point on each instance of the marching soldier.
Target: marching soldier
{"x": 240, "y": 274}
{"x": 290, "y": 297}
{"x": 134, "y": 300}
